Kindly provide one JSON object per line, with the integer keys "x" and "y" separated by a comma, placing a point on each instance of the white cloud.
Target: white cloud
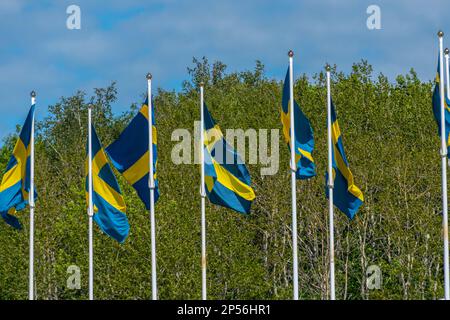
{"x": 162, "y": 36}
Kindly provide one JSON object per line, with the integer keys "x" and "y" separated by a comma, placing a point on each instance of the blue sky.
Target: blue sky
{"x": 123, "y": 40}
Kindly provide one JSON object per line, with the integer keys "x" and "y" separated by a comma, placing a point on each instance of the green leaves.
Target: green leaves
{"x": 392, "y": 145}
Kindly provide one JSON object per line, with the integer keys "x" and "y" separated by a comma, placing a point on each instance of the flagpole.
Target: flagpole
{"x": 444, "y": 169}
{"x": 151, "y": 186}
{"x": 90, "y": 207}
{"x": 31, "y": 203}
{"x": 203, "y": 193}
{"x": 330, "y": 186}
{"x": 447, "y": 73}
{"x": 293, "y": 178}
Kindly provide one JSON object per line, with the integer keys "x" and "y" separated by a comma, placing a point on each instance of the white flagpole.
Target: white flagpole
{"x": 444, "y": 169}
{"x": 90, "y": 207}
{"x": 330, "y": 187}
{"x": 203, "y": 193}
{"x": 31, "y": 203}
{"x": 151, "y": 182}
{"x": 447, "y": 73}
{"x": 293, "y": 178}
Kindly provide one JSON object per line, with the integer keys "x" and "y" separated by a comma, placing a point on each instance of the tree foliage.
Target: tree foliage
{"x": 393, "y": 149}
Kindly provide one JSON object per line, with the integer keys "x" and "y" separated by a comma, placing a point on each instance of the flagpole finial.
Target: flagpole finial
{"x": 149, "y": 76}
{"x": 440, "y": 34}
{"x": 202, "y": 84}
{"x": 290, "y": 53}
{"x": 446, "y": 51}
{"x": 90, "y": 106}
{"x": 33, "y": 94}
{"x": 328, "y": 68}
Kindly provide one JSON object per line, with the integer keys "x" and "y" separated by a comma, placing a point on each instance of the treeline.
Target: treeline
{"x": 393, "y": 149}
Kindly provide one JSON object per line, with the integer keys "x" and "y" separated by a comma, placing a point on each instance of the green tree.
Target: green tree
{"x": 392, "y": 146}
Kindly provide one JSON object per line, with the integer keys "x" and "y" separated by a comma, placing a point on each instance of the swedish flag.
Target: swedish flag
{"x": 109, "y": 206}
{"x": 16, "y": 180}
{"x": 227, "y": 180}
{"x": 437, "y": 108}
{"x": 304, "y": 137}
{"x": 347, "y": 196}
{"x": 129, "y": 154}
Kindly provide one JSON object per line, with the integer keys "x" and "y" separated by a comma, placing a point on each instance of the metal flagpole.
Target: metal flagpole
{"x": 444, "y": 169}
{"x": 151, "y": 182}
{"x": 90, "y": 207}
{"x": 330, "y": 186}
{"x": 31, "y": 203}
{"x": 293, "y": 178}
{"x": 445, "y": 222}
{"x": 203, "y": 193}
{"x": 447, "y": 82}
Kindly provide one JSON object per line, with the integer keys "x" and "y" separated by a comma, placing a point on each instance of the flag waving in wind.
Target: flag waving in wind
{"x": 347, "y": 196}
{"x": 304, "y": 137}
{"x": 437, "y": 108}
{"x": 109, "y": 206}
{"x": 227, "y": 179}
{"x": 129, "y": 154}
{"x": 15, "y": 184}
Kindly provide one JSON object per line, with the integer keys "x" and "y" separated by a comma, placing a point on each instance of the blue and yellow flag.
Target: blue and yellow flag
{"x": 129, "y": 154}
{"x": 304, "y": 137}
{"x": 16, "y": 180}
{"x": 109, "y": 206}
{"x": 227, "y": 180}
{"x": 346, "y": 195}
{"x": 437, "y": 108}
